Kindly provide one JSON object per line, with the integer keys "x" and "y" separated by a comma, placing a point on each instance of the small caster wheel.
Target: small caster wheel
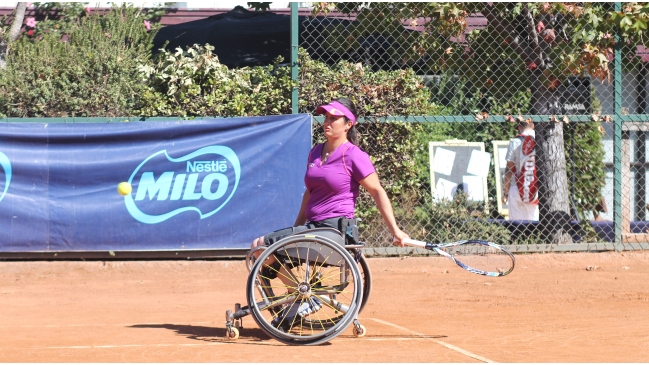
{"x": 232, "y": 333}
{"x": 359, "y": 331}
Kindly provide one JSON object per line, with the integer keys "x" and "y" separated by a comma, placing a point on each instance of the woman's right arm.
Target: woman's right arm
{"x": 301, "y": 217}
{"x": 373, "y": 186}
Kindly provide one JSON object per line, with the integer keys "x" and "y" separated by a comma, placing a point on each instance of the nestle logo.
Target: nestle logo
{"x": 207, "y": 166}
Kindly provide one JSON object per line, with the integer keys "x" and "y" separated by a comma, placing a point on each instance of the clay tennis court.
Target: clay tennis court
{"x": 571, "y": 307}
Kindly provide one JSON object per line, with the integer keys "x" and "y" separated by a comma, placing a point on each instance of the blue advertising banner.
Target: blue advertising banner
{"x": 194, "y": 184}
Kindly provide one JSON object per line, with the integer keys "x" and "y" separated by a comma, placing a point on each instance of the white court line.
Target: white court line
{"x": 100, "y": 325}
{"x": 447, "y": 345}
{"x": 392, "y": 339}
{"x": 115, "y": 346}
{"x": 423, "y": 337}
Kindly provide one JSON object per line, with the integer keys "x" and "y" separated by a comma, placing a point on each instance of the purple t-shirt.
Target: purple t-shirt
{"x": 333, "y": 186}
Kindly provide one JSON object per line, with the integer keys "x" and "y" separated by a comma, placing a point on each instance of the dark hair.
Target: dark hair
{"x": 352, "y": 133}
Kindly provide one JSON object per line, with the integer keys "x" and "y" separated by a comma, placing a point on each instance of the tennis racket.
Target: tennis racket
{"x": 476, "y": 256}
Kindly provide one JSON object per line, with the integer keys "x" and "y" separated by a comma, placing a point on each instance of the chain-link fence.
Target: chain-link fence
{"x": 472, "y": 120}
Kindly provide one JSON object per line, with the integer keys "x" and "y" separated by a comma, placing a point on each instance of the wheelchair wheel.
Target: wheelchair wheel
{"x": 304, "y": 290}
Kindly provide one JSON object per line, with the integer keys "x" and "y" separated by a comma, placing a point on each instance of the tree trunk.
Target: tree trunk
{"x": 13, "y": 33}
{"x": 554, "y": 204}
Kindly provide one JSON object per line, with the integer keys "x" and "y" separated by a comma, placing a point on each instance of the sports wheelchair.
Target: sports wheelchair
{"x": 312, "y": 269}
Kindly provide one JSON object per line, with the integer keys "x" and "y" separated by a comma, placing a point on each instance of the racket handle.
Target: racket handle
{"x": 414, "y": 243}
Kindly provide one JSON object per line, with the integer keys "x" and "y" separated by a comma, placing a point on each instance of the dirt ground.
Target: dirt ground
{"x": 577, "y": 307}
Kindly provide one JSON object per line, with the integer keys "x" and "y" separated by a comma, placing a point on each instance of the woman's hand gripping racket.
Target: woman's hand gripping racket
{"x": 478, "y": 257}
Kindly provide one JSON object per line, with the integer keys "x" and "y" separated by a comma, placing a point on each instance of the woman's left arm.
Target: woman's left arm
{"x": 373, "y": 186}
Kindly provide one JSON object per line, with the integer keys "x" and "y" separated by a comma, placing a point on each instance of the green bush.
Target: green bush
{"x": 588, "y": 158}
{"x": 376, "y": 94}
{"x": 90, "y": 71}
{"x": 193, "y": 82}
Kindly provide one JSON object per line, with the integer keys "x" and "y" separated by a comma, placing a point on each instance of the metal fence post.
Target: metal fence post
{"x": 617, "y": 138}
{"x": 294, "y": 48}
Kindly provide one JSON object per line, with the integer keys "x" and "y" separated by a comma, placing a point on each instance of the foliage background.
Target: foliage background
{"x": 86, "y": 67}
{"x": 86, "y": 64}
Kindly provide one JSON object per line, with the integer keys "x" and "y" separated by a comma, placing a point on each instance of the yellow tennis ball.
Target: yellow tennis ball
{"x": 124, "y": 188}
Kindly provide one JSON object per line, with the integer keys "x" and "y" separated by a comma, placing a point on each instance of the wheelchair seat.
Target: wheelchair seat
{"x": 328, "y": 233}
{"x": 300, "y": 251}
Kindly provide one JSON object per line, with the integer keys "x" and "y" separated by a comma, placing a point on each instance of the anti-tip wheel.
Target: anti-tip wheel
{"x": 359, "y": 331}
{"x": 232, "y": 333}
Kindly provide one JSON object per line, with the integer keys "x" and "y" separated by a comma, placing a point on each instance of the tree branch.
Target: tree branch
{"x": 13, "y": 33}
{"x": 17, "y": 23}
{"x": 534, "y": 38}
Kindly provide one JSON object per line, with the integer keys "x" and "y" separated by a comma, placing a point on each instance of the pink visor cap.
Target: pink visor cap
{"x": 337, "y": 109}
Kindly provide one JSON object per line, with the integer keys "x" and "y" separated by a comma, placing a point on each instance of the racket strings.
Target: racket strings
{"x": 481, "y": 257}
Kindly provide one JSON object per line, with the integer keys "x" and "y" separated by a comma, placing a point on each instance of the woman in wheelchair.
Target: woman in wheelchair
{"x": 335, "y": 171}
